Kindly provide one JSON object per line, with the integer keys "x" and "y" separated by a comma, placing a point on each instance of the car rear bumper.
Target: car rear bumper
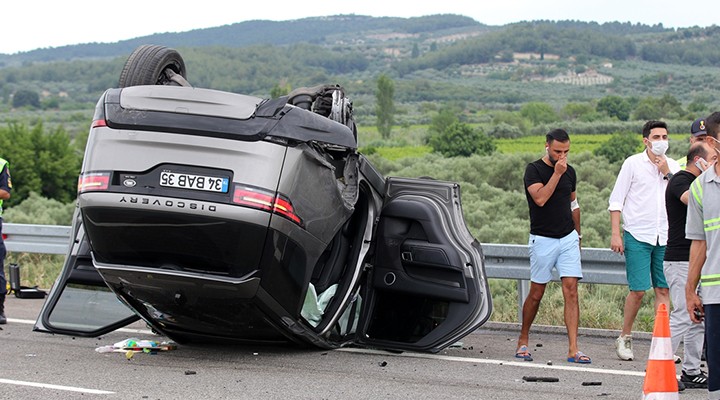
{"x": 186, "y": 305}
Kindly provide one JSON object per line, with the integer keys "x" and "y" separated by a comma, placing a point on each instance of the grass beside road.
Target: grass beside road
{"x": 600, "y": 305}
{"x": 35, "y": 269}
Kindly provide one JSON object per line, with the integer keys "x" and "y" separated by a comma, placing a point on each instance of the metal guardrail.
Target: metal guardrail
{"x": 502, "y": 261}
{"x": 511, "y": 261}
{"x": 28, "y": 238}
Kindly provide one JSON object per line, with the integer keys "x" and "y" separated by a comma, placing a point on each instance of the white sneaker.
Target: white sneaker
{"x": 623, "y": 347}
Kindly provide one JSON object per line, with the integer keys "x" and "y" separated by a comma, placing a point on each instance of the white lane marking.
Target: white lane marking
{"x": 126, "y": 330}
{"x": 495, "y": 362}
{"x": 20, "y": 321}
{"x": 56, "y": 387}
{"x": 67, "y": 388}
{"x": 140, "y": 331}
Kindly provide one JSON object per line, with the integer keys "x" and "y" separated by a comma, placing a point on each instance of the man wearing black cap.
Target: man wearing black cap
{"x": 698, "y": 133}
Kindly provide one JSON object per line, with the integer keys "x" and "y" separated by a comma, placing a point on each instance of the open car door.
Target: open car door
{"x": 80, "y": 303}
{"x": 427, "y": 288}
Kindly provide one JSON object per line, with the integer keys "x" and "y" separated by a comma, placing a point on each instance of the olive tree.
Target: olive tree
{"x": 385, "y": 105}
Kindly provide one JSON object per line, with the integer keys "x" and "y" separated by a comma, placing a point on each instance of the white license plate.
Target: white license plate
{"x": 195, "y": 182}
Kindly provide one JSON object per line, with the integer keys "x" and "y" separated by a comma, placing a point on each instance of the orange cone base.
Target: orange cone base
{"x": 660, "y": 379}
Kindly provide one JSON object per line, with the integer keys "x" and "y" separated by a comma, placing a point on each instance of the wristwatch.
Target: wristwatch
{"x": 668, "y": 176}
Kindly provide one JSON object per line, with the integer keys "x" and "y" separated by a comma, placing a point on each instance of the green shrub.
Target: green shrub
{"x": 461, "y": 140}
{"x": 619, "y": 147}
{"x": 39, "y": 210}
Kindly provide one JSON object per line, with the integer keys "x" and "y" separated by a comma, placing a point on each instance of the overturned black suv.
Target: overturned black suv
{"x": 219, "y": 216}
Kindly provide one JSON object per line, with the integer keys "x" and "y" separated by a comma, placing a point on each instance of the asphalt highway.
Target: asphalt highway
{"x": 39, "y": 365}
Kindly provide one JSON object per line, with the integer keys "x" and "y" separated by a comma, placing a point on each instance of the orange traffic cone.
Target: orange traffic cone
{"x": 660, "y": 379}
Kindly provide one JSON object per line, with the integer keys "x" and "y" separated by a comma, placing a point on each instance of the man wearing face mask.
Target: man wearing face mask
{"x": 554, "y": 241}
{"x": 639, "y": 198}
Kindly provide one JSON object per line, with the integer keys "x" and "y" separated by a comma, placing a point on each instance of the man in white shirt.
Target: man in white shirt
{"x": 639, "y": 195}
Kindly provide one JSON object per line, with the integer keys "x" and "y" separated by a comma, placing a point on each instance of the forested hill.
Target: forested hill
{"x": 315, "y": 30}
{"x": 613, "y": 40}
{"x": 536, "y": 36}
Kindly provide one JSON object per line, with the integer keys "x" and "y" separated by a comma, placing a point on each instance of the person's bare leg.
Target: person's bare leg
{"x": 572, "y": 313}
{"x": 530, "y": 309}
{"x": 662, "y": 296}
{"x": 633, "y": 301}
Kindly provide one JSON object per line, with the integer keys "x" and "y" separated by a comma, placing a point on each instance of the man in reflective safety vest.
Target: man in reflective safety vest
{"x": 5, "y": 188}
{"x": 703, "y": 228}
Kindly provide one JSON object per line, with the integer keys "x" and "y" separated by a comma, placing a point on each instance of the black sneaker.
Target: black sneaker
{"x": 3, "y": 320}
{"x": 698, "y": 381}
{"x": 681, "y": 386}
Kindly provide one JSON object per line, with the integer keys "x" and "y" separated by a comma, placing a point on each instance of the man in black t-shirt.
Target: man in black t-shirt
{"x": 675, "y": 265}
{"x": 554, "y": 239}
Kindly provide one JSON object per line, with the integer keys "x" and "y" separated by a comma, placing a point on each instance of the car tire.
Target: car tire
{"x": 153, "y": 65}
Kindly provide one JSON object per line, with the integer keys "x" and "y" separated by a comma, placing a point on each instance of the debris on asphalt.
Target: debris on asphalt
{"x": 382, "y": 363}
{"x": 133, "y": 345}
{"x": 540, "y": 379}
{"x": 592, "y": 383}
{"x": 188, "y": 372}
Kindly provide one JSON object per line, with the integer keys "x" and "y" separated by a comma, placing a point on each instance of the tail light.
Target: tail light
{"x": 93, "y": 182}
{"x": 98, "y": 123}
{"x": 265, "y": 200}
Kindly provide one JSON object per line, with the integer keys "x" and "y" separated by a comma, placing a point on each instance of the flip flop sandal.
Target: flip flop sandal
{"x": 580, "y": 358}
{"x": 522, "y": 352}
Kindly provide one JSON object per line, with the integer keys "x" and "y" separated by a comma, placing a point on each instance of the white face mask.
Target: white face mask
{"x": 659, "y": 147}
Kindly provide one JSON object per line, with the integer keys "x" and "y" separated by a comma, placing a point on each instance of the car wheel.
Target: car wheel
{"x": 153, "y": 65}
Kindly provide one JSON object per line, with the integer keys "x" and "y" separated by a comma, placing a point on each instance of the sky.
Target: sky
{"x": 32, "y": 24}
